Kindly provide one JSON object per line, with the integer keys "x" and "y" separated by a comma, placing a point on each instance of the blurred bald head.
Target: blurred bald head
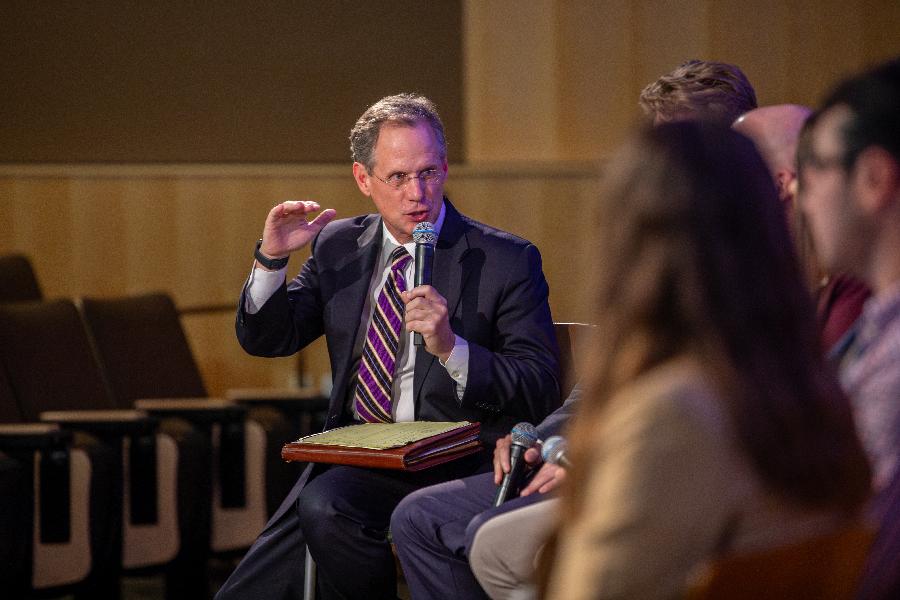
{"x": 775, "y": 131}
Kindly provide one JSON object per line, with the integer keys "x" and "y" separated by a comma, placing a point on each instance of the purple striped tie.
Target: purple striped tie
{"x": 378, "y": 362}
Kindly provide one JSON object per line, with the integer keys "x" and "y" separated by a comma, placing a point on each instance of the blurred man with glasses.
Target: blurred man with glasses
{"x": 489, "y": 353}
{"x": 851, "y": 181}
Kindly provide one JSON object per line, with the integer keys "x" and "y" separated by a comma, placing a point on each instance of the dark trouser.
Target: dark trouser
{"x": 343, "y": 514}
{"x": 433, "y": 529}
{"x": 273, "y": 568}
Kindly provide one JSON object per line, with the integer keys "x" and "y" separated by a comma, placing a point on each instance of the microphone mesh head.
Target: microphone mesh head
{"x": 524, "y": 434}
{"x": 424, "y": 234}
{"x": 553, "y": 448}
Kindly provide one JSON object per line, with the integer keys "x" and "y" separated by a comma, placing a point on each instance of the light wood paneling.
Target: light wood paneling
{"x": 599, "y": 44}
{"x": 189, "y": 231}
{"x": 511, "y": 80}
{"x": 580, "y": 64}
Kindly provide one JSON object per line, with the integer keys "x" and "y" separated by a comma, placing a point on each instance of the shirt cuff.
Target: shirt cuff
{"x": 457, "y": 364}
{"x": 261, "y": 285}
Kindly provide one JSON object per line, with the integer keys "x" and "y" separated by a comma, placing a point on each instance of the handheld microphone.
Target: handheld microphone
{"x": 425, "y": 239}
{"x": 524, "y": 436}
{"x": 554, "y": 451}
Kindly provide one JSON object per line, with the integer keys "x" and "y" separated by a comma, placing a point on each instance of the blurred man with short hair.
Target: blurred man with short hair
{"x": 699, "y": 89}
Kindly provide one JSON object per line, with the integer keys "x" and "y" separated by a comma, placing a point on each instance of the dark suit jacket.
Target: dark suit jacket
{"x": 497, "y": 300}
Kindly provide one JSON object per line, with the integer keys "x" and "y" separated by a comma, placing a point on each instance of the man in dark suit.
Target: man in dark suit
{"x": 489, "y": 352}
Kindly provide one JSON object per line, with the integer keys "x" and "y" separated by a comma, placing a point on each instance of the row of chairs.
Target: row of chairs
{"x": 112, "y": 445}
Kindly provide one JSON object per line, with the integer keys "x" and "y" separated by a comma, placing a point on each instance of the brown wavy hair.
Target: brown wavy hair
{"x": 695, "y": 258}
{"x": 699, "y": 89}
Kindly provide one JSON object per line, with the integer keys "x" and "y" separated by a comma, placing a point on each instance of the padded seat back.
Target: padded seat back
{"x": 51, "y": 364}
{"x": 9, "y": 407}
{"x": 73, "y": 515}
{"x": 49, "y": 359}
{"x": 18, "y": 283}
{"x": 141, "y": 343}
{"x": 146, "y": 355}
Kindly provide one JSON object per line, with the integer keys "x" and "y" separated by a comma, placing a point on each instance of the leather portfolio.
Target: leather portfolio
{"x": 404, "y": 446}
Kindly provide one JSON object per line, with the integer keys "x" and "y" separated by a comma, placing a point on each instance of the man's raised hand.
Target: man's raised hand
{"x": 288, "y": 228}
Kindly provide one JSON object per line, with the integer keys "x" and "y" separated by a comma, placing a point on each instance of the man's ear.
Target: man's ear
{"x": 362, "y": 178}
{"x": 876, "y": 179}
{"x": 785, "y": 182}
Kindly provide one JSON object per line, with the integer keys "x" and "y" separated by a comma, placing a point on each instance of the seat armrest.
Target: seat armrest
{"x": 306, "y": 399}
{"x": 123, "y": 422}
{"x": 272, "y": 393}
{"x": 33, "y": 436}
{"x": 197, "y": 410}
{"x": 206, "y": 414}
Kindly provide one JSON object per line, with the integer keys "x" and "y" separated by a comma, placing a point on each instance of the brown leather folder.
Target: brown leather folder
{"x": 415, "y": 456}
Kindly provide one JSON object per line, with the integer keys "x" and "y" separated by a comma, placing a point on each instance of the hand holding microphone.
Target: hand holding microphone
{"x": 425, "y": 239}
{"x": 426, "y": 312}
{"x": 523, "y": 436}
{"x": 554, "y": 451}
{"x": 553, "y": 471}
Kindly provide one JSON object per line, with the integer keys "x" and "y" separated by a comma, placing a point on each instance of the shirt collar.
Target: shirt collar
{"x": 878, "y": 312}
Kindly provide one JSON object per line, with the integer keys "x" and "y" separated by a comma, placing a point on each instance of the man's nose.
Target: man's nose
{"x": 415, "y": 189}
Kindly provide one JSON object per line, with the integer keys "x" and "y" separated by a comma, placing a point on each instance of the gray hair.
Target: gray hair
{"x": 406, "y": 109}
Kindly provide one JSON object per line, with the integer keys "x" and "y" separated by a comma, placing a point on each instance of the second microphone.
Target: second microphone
{"x": 524, "y": 436}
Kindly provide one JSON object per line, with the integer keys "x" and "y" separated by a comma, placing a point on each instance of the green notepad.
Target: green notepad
{"x": 381, "y": 436}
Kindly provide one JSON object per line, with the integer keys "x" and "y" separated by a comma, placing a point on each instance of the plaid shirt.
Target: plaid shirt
{"x": 870, "y": 374}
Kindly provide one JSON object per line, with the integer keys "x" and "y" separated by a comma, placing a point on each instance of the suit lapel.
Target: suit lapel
{"x": 449, "y": 279}
{"x": 348, "y": 302}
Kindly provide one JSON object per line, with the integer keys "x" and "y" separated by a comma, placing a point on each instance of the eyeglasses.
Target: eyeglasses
{"x": 823, "y": 163}
{"x": 398, "y": 180}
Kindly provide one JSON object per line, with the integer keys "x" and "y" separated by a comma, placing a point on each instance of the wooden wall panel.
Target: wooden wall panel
{"x": 42, "y": 222}
{"x": 600, "y": 54}
{"x": 511, "y": 85}
{"x": 151, "y": 249}
{"x": 666, "y": 34}
{"x": 600, "y": 45}
{"x": 189, "y": 231}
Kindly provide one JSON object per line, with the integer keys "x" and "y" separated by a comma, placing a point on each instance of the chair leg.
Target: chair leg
{"x": 309, "y": 578}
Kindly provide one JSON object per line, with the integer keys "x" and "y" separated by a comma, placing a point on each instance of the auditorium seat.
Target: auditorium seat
{"x": 15, "y": 524}
{"x": 56, "y": 378}
{"x": 826, "y": 567}
{"x": 149, "y": 363}
{"x": 57, "y": 532}
{"x": 18, "y": 282}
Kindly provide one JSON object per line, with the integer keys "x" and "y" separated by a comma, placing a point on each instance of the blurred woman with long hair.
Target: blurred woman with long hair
{"x": 711, "y": 423}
